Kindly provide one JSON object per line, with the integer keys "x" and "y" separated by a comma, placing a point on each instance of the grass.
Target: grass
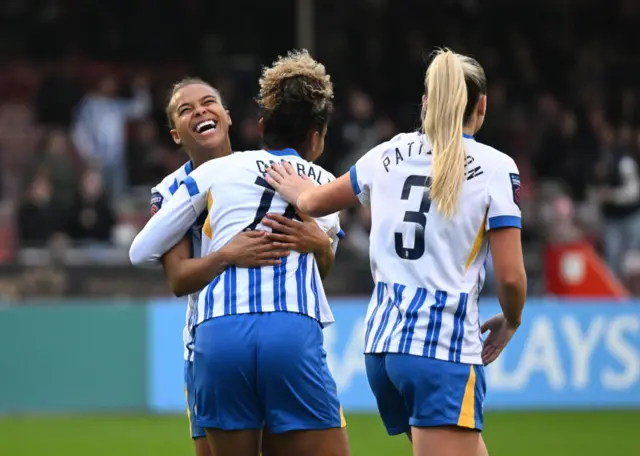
{"x": 507, "y": 434}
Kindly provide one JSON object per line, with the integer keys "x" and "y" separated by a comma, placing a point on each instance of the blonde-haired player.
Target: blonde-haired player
{"x": 424, "y": 351}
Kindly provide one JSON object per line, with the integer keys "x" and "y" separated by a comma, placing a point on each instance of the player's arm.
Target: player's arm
{"x": 167, "y": 227}
{"x": 322, "y": 200}
{"x": 306, "y": 236}
{"x": 249, "y": 249}
{"x": 504, "y": 225}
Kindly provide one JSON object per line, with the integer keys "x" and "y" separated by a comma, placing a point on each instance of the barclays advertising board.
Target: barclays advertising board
{"x": 566, "y": 355}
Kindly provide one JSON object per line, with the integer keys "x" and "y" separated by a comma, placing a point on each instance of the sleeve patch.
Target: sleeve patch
{"x": 515, "y": 187}
{"x": 156, "y": 203}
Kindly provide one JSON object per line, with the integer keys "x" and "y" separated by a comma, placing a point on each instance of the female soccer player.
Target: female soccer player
{"x": 200, "y": 124}
{"x": 258, "y": 357}
{"x": 440, "y": 201}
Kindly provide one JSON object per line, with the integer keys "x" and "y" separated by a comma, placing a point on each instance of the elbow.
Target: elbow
{"x": 139, "y": 256}
{"x": 179, "y": 283}
{"x": 136, "y": 255}
{"x": 515, "y": 281}
{"x": 178, "y": 289}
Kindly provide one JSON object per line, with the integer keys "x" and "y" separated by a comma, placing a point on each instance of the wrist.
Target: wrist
{"x": 223, "y": 258}
{"x": 514, "y": 323}
{"x": 324, "y": 247}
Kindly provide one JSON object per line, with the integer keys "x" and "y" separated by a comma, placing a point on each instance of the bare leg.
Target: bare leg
{"x": 327, "y": 442}
{"x": 234, "y": 443}
{"x": 445, "y": 441}
{"x": 202, "y": 447}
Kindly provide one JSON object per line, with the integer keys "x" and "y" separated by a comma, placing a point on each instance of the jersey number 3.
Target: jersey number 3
{"x": 418, "y": 217}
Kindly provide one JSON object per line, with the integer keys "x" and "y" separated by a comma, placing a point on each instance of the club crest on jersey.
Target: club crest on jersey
{"x": 515, "y": 186}
{"x": 156, "y": 203}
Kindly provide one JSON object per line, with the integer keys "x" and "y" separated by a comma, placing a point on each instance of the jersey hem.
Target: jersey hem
{"x": 475, "y": 360}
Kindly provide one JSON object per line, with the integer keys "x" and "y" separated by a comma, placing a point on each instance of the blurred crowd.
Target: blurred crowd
{"x": 81, "y": 140}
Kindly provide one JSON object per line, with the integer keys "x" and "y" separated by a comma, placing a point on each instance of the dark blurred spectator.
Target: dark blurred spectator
{"x": 146, "y": 156}
{"x": 58, "y": 162}
{"x": 99, "y": 130}
{"x": 38, "y": 218}
{"x": 19, "y": 136}
{"x": 92, "y": 218}
{"x": 59, "y": 93}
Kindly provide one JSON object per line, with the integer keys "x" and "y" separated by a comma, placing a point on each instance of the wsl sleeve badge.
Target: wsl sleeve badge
{"x": 515, "y": 187}
{"x": 156, "y": 203}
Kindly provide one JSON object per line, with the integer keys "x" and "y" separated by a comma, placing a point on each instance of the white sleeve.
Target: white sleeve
{"x": 165, "y": 229}
{"x": 335, "y": 232}
{"x": 362, "y": 173}
{"x": 504, "y": 198}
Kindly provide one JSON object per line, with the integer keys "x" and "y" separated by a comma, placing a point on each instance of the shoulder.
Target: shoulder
{"x": 167, "y": 186}
{"x": 403, "y": 140}
{"x": 490, "y": 157}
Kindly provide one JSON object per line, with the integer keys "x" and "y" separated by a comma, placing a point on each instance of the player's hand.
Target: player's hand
{"x": 252, "y": 249}
{"x": 305, "y": 236}
{"x": 287, "y": 182}
{"x": 501, "y": 333}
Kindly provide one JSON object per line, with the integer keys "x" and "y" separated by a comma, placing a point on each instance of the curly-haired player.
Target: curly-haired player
{"x": 259, "y": 357}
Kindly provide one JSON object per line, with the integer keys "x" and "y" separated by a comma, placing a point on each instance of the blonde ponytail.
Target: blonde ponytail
{"x": 442, "y": 123}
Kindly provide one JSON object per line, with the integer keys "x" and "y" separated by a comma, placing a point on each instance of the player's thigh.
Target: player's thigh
{"x": 225, "y": 374}
{"x": 390, "y": 402}
{"x": 234, "y": 443}
{"x": 445, "y": 441}
{"x": 321, "y": 442}
{"x": 482, "y": 448}
{"x": 201, "y": 445}
{"x": 296, "y": 387}
{"x": 444, "y": 399}
{"x": 266, "y": 444}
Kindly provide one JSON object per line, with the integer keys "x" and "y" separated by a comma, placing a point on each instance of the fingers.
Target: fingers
{"x": 275, "y": 226}
{"x": 288, "y": 168}
{"x": 252, "y": 234}
{"x": 274, "y": 182}
{"x": 304, "y": 217}
{"x": 278, "y": 171}
{"x": 491, "y": 324}
{"x": 490, "y": 354}
{"x": 279, "y": 238}
{"x": 281, "y": 219}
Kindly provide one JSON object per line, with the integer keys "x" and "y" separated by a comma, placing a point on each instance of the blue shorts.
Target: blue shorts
{"x": 190, "y": 396}
{"x": 264, "y": 369}
{"x": 425, "y": 392}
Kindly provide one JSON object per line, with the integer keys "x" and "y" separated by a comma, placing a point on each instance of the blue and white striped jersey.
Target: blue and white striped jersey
{"x": 233, "y": 192}
{"x": 160, "y": 194}
{"x": 429, "y": 270}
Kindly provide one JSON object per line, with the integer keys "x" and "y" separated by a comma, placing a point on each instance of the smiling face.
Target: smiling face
{"x": 200, "y": 122}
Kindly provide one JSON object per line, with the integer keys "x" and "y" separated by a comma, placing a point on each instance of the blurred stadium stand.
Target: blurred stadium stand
{"x": 564, "y": 102}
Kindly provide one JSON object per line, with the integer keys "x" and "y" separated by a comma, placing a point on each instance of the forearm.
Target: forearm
{"x": 193, "y": 274}
{"x": 325, "y": 258}
{"x": 512, "y": 295}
